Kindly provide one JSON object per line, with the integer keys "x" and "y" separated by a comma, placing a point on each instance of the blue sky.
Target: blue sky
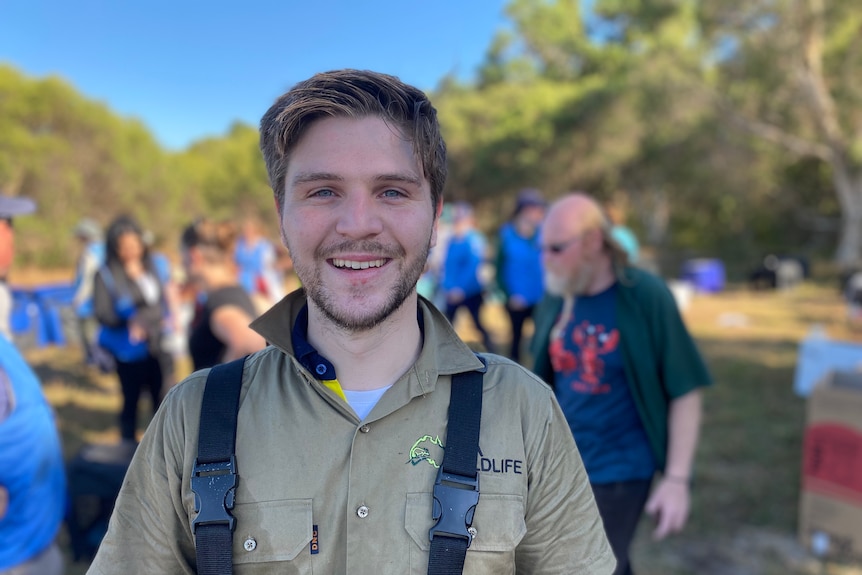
{"x": 188, "y": 68}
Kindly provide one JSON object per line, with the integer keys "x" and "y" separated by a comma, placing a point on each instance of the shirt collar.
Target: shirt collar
{"x": 443, "y": 352}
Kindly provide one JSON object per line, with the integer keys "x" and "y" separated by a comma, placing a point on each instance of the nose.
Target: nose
{"x": 359, "y": 216}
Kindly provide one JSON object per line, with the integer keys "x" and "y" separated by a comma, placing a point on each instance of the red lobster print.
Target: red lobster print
{"x": 594, "y": 342}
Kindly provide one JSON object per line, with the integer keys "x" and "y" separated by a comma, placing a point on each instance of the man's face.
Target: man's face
{"x": 357, "y": 219}
{"x": 567, "y": 266}
{"x": 7, "y": 247}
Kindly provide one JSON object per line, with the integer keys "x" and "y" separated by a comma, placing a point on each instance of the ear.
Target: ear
{"x": 594, "y": 240}
{"x": 437, "y": 213}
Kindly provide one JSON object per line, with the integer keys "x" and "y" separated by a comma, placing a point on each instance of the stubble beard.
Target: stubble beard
{"x": 348, "y": 318}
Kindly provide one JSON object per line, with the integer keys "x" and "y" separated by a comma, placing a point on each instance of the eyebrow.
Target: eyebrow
{"x": 307, "y": 177}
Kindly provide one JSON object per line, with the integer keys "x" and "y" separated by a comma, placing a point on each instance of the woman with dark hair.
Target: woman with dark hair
{"x": 129, "y": 301}
{"x": 219, "y": 331}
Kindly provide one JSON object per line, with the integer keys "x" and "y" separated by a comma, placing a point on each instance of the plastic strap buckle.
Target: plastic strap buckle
{"x": 455, "y": 500}
{"x": 214, "y": 486}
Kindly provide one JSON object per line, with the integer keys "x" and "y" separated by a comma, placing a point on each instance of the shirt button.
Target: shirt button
{"x": 472, "y": 531}
{"x": 364, "y": 429}
{"x": 362, "y": 512}
{"x": 320, "y": 369}
{"x": 250, "y": 544}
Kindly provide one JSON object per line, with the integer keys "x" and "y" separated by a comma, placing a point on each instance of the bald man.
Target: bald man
{"x": 626, "y": 372}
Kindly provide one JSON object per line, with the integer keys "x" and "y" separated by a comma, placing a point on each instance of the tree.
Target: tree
{"x": 786, "y": 71}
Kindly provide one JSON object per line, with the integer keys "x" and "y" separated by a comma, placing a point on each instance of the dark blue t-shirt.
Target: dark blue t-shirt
{"x": 593, "y": 392}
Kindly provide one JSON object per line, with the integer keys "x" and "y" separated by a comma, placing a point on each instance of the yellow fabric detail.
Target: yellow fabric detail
{"x": 334, "y": 386}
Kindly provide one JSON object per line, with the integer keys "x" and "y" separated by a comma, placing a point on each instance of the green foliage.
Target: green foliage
{"x": 726, "y": 129}
{"x": 76, "y": 158}
{"x": 655, "y": 102}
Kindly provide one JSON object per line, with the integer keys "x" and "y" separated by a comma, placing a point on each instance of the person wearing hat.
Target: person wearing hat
{"x": 32, "y": 476}
{"x": 519, "y": 263}
{"x": 90, "y": 259}
{"x": 9, "y": 208}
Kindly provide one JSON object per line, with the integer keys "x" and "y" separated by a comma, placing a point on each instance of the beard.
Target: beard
{"x": 358, "y": 315}
{"x": 573, "y": 285}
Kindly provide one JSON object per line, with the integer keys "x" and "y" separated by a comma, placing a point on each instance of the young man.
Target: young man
{"x": 343, "y": 418}
{"x": 624, "y": 369}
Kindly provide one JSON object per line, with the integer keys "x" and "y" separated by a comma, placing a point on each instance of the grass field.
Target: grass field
{"x": 747, "y": 473}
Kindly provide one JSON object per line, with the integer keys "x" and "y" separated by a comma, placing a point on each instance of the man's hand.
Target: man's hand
{"x": 669, "y": 506}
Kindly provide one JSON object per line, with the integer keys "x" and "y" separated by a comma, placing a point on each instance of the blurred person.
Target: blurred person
{"x": 462, "y": 283}
{"x": 130, "y": 304}
{"x": 519, "y": 264}
{"x": 32, "y": 475}
{"x": 173, "y": 328}
{"x": 257, "y": 260}
{"x": 9, "y": 207}
{"x": 430, "y": 282}
{"x": 338, "y": 437}
{"x": 90, "y": 259}
{"x": 610, "y": 340}
{"x": 219, "y": 331}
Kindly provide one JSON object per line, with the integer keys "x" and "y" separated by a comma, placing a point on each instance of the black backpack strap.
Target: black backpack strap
{"x": 456, "y": 490}
{"x": 215, "y": 477}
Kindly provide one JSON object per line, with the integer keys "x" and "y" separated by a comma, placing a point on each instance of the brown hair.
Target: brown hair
{"x": 216, "y": 240}
{"x": 352, "y": 94}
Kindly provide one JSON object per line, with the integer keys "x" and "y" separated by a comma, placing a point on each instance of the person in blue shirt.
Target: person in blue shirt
{"x": 90, "y": 259}
{"x": 463, "y": 284}
{"x": 32, "y": 474}
{"x": 257, "y": 261}
{"x": 519, "y": 264}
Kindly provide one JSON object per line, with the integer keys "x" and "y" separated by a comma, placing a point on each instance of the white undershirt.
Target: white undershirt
{"x": 362, "y": 402}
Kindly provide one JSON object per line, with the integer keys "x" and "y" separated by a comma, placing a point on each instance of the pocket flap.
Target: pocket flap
{"x": 271, "y": 530}
{"x": 499, "y": 521}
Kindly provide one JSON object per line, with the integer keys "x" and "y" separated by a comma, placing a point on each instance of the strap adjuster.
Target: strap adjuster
{"x": 214, "y": 486}
{"x": 455, "y": 500}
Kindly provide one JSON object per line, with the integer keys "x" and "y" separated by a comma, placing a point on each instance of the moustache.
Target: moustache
{"x": 365, "y": 247}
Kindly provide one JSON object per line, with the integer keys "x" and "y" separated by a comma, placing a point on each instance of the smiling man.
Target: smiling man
{"x": 346, "y": 439}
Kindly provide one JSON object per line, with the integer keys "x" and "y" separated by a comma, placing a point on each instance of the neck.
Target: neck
{"x": 218, "y": 277}
{"x": 373, "y": 358}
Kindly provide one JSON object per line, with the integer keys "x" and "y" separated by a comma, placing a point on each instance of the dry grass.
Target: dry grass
{"x": 747, "y": 474}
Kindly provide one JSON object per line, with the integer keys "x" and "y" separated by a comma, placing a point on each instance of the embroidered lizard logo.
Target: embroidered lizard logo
{"x": 419, "y": 451}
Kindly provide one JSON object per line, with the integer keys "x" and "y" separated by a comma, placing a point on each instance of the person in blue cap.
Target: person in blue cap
{"x": 519, "y": 264}
{"x": 32, "y": 476}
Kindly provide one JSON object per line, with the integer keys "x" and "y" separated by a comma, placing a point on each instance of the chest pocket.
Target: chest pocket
{"x": 273, "y": 531}
{"x": 499, "y": 524}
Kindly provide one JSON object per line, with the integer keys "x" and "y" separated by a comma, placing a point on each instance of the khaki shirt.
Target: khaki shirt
{"x": 322, "y": 492}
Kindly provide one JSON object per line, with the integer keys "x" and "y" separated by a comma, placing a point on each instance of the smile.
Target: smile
{"x": 349, "y": 264}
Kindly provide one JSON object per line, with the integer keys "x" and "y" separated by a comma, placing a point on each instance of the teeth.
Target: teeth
{"x": 357, "y": 265}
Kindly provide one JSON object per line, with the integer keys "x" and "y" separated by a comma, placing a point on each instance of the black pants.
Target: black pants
{"x": 473, "y": 304}
{"x": 517, "y": 317}
{"x": 134, "y": 378}
{"x": 621, "y": 506}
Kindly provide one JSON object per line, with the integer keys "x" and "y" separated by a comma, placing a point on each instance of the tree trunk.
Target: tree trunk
{"x": 849, "y": 191}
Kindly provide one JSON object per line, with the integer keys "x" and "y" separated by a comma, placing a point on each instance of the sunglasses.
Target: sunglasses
{"x": 560, "y": 247}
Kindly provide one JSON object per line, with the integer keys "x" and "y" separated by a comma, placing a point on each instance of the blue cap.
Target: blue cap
{"x": 10, "y": 206}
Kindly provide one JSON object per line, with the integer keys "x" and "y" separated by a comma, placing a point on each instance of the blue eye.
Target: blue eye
{"x": 325, "y": 193}
{"x": 393, "y": 193}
